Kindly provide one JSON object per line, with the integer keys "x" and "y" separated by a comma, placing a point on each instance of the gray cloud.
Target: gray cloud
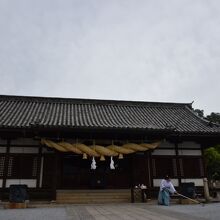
{"x": 133, "y": 50}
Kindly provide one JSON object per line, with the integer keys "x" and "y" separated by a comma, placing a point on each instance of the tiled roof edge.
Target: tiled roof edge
{"x": 203, "y": 120}
{"x": 90, "y": 101}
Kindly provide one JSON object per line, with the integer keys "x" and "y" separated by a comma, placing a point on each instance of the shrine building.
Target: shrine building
{"x": 67, "y": 149}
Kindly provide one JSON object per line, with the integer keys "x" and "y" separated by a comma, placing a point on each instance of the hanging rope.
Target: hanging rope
{"x": 100, "y": 151}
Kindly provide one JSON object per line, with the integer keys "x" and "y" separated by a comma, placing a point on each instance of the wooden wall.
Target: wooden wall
{"x": 182, "y": 161}
{"x": 25, "y": 161}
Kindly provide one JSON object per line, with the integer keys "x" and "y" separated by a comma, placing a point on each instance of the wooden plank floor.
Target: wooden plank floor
{"x": 114, "y": 212}
{"x": 125, "y": 212}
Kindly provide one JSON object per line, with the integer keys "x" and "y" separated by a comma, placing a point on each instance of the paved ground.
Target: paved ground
{"x": 115, "y": 212}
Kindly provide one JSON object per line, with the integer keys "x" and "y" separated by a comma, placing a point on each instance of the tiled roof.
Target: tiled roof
{"x": 26, "y": 112}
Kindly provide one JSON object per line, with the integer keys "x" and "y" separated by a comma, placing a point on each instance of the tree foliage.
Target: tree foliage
{"x": 214, "y": 117}
{"x": 212, "y": 156}
{"x": 199, "y": 112}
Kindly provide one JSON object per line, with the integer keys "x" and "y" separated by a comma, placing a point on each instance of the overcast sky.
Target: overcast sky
{"x": 151, "y": 50}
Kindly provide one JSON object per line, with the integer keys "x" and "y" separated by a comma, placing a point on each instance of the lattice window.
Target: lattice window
{"x": 34, "y": 167}
{"x": 163, "y": 166}
{"x": 201, "y": 167}
{"x": 181, "y": 167}
{"x": 192, "y": 167}
{"x": 2, "y": 165}
{"x": 154, "y": 167}
{"x": 28, "y": 166}
{"x": 10, "y": 164}
{"x": 22, "y": 166}
{"x": 174, "y": 167}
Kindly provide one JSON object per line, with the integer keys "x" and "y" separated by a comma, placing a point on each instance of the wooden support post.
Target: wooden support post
{"x": 178, "y": 163}
{"x": 132, "y": 177}
{"x": 204, "y": 166}
{"x": 149, "y": 173}
{"x": 55, "y": 176}
{"x": 151, "y": 168}
{"x": 132, "y": 172}
{"x": 5, "y": 172}
{"x": 39, "y": 166}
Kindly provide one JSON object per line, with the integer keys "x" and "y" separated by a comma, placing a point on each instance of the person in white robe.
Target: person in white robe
{"x": 166, "y": 189}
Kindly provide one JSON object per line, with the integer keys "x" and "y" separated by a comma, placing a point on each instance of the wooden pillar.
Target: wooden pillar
{"x": 149, "y": 173}
{"x": 132, "y": 171}
{"x": 7, "y": 156}
{"x": 39, "y": 166}
{"x": 178, "y": 163}
{"x": 204, "y": 166}
{"x": 151, "y": 168}
{"x": 132, "y": 177}
{"x": 55, "y": 176}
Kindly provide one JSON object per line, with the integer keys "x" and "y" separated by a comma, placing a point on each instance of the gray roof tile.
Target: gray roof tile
{"x": 26, "y": 112}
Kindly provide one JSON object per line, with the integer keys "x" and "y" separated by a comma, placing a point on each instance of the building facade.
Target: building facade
{"x": 53, "y": 144}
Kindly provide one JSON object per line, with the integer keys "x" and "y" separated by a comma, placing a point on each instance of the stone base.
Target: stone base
{"x": 14, "y": 205}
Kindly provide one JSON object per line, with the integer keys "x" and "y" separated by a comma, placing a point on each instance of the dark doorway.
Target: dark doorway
{"x": 141, "y": 169}
{"x": 48, "y": 171}
{"x": 105, "y": 178}
{"x": 76, "y": 173}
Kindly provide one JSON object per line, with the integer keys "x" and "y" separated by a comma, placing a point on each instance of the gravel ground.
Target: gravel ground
{"x": 115, "y": 212}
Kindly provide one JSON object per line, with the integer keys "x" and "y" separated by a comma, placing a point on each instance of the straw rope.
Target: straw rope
{"x": 135, "y": 147}
{"x": 70, "y": 147}
{"x": 104, "y": 151}
{"x": 100, "y": 151}
{"x": 120, "y": 150}
{"x": 151, "y": 146}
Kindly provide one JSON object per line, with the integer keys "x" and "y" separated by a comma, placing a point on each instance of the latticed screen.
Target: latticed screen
{"x": 11, "y": 161}
{"x": 22, "y": 166}
{"x": 2, "y": 165}
{"x": 191, "y": 167}
{"x": 164, "y": 166}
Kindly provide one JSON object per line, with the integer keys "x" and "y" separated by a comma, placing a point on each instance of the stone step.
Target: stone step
{"x": 104, "y": 198}
{"x": 86, "y": 201}
{"x": 80, "y": 193}
{"x": 93, "y": 196}
{"x": 95, "y": 191}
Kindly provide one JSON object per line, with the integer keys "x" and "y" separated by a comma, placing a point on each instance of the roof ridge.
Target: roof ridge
{"x": 90, "y": 101}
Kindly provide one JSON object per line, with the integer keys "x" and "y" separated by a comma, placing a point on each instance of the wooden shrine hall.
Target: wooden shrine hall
{"x": 82, "y": 150}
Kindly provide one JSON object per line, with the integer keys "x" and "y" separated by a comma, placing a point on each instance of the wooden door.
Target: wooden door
{"x": 48, "y": 171}
{"x": 106, "y": 178}
{"x": 75, "y": 172}
{"x": 141, "y": 170}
